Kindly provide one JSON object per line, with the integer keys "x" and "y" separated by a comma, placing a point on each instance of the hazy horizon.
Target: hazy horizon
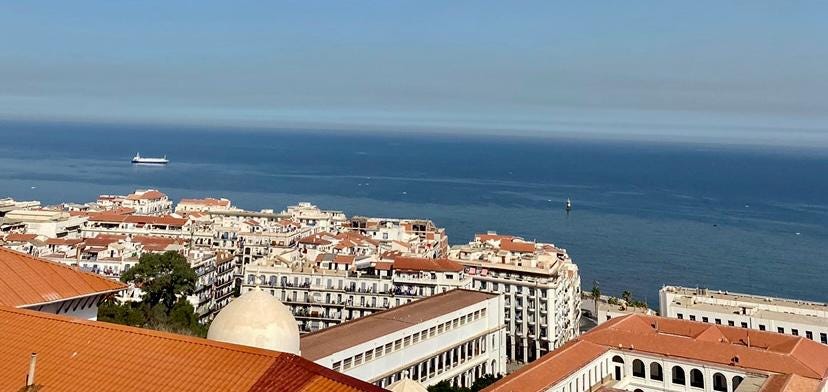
{"x": 735, "y": 72}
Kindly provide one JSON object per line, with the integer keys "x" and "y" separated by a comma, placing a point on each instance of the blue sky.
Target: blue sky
{"x": 722, "y": 70}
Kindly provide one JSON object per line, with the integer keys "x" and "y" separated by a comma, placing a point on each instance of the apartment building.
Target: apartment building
{"x": 417, "y": 236}
{"x": 47, "y": 223}
{"x": 786, "y": 316}
{"x": 142, "y": 202}
{"x": 457, "y": 336}
{"x": 320, "y": 298}
{"x": 541, "y": 285}
{"x": 309, "y": 215}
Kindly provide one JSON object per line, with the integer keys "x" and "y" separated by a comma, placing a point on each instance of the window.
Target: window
{"x": 794, "y": 332}
{"x": 704, "y": 320}
{"x": 696, "y": 378}
{"x": 761, "y": 327}
{"x": 388, "y": 348}
{"x": 719, "y": 382}
{"x": 719, "y": 321}
{"x": 655, "y": 372}
{"x": 398, "y": 344}
{"x": 337, "y": 366}
{"x": 780, "y": 329}
{"x": 346, "y": 364}
{"x": 823, "y": 338}
{"x": 731, "y": 323}
{"x": 678, "y": 375}
{"x": 407, "y": 341}
{"x": 692, "y": 318}
{"x": 744, "y": 324}
{"x": 369, "y": 355}
{"x": 680, "y": 316}
{"x": 809, "y": 335}
{"x": 357, "y": 359}
{"x": 638, "y": 369}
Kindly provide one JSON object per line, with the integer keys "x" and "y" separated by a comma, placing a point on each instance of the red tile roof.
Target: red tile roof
{"x": 493, "y": 237}
{"x": 517, "y": 246}
{"x": 80, "y": 355}
{"x": 150, "y": 194}
{"x": 344, "y": 259}
{"x": 26, "y": 281}
{"x": 18, "y": 237}
{"x": 422, "y": 264}
{"x": 693, "y": 341}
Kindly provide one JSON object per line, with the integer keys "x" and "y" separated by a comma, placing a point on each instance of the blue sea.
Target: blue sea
{"x": 645, "y": 214}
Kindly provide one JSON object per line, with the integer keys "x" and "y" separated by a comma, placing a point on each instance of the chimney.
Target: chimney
{"x": 30, "y": 377}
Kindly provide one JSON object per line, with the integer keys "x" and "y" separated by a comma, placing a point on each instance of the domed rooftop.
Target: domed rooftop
{"x": 257, "y": 319}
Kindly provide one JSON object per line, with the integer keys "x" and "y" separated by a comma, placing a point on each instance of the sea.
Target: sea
{"x": 645, "y": 214}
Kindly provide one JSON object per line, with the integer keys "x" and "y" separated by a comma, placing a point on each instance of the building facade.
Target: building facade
{"x": 457, "y": 336}
{"x": 786, "y": 316}
{"x": 541, "y": 286}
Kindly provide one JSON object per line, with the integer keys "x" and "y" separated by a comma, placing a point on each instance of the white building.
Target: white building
{"x": 142, "y": 201}
{"x": 310, "y": 215}
{"x": 420, "y": 237}
{"x": 541, "y": 285}
{"x": 788, "y": 316}
{"x": 208, "y": 204}
{"x": 457, "y": 336}
{"x": 48, "y": 223}
{"x": 320, "y": 297}
{"x": 653, "y": 354}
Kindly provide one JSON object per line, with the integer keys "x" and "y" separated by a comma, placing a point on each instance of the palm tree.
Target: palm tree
{"x": 627, "y": 296}
{"x": 596, "y": 293}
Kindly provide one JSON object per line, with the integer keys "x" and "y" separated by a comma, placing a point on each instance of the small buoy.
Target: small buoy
{"x": 405, "y": 193}
{"x": 747, "y": 205}
{"x": 797, "y": 233}
{"x": 34, "y": 187}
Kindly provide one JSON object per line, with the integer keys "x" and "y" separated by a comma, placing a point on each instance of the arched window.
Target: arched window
{"x": 655, "y": 372}
{"x": 638, "y": 369}
{"x": 719, "y": 382}
{"x": 638, "y": 390}
{"x": 678, "y": 375}
{"x": 618, "y": 359}
{"x": 696, "y": 378}
{"x": 736, "y": 381}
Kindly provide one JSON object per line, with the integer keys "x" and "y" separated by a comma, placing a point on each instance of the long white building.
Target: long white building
{"x": 787, "y": 316}
{"x": 457, "y": 336}
{"x": 541, "y": 285}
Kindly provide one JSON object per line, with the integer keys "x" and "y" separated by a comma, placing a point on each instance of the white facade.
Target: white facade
{"x": 324, "y": 298}
{"x": 640, "y": 372}
{"x": 458, "y": 346}
{"x": 51, "y": 224}
{"x": 541, "y": 285}
{"x": 792, "y": 317}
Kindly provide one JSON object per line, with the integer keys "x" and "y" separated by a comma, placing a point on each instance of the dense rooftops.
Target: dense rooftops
{"x": 27, "y": 281}
{"x": 331, "y": 340}
{"x": 76, "y": 355}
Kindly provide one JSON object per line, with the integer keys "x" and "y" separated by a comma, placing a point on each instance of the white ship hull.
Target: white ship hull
{"x": 139, "y": 160}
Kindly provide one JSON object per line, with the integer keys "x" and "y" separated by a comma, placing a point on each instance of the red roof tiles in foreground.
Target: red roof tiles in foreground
{"x": 422, "y": 264}
{"x": 80, "y": 355}
{"x": 801, "y": 359}
{"x": 26, "y": 281}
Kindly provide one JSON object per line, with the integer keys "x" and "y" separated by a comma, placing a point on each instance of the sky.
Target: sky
{"x": 719, "y": 70}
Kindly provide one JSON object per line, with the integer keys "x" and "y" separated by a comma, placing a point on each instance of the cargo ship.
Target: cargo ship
{"x": 138, "y": 159}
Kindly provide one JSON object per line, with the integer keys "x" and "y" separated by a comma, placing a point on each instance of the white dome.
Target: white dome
{"x": 257, "y": 319}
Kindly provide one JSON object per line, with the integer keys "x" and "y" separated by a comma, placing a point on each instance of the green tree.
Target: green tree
{"x": 483, "y": 382}
{"x": 445, "y": 386}
{"x": 164, "y": 278}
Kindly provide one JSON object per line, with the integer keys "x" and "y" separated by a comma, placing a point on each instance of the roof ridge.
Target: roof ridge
{"x": 143, "y": 331}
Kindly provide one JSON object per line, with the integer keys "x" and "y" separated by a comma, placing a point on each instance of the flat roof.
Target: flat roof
{"x": 759, "y": 300}
{"x": 334, "y": 339}
{"x": 687, "y": 303}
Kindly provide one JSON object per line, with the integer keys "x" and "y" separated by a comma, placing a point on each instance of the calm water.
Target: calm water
{"x": 644, "y": 214}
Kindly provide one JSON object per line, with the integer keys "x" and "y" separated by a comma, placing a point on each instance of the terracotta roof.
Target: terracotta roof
{"x": 63, "y": 241}
{"x": 344, "y": 259}
{"x": 517, "y": 246}
{"x": 80, "y": 355}
{"x": 26, "y": 281}
{"x": 540, "y": 375}
{"x": 422, "y": 264}
{"x": 315, "y": 239}
{"x": 328, "y": 341}
{"x": 139, "y": 219}
{"x": 150, "y": 194}
{"x": 19, "y": 237}
{"x": 694, "y": 341}
{"x": 383, "y": 266}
